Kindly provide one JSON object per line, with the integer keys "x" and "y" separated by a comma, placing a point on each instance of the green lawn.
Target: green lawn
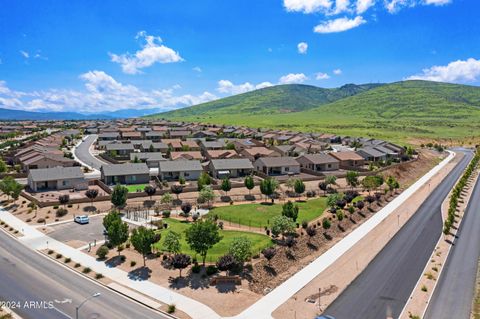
{"x": 259, "y": 242}
{"x": 259, "y": 215}
{"x": 134, "y": 187}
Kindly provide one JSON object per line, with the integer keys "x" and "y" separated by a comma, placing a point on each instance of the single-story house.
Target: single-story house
{"x": 187, "y": 155}
{"x": 108, "y": 136}
{"x": 349, "y": 159}
{"x": 151, "y": 158}
{"x": 174, "y": 170}
{"x": 319, "y": 162}
{"x": 233, "y": 167}
{"x": 258, "y": 151}
{"x": 57, "y": 178}
{"x": 132, "y": 135}
{"x": 45, "y": 160}
{"x": 221, "y": 154}
{"x": 371, "y": 154}
{"x": 277, "y": 165}
{"x": 120, "y": 149}
{"x": 128, "y": 173}
{"x": 155, "y": 136}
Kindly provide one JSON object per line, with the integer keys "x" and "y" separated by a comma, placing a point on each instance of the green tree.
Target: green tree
{"x": 352, "y": 178}
{"x": 201, "y": 236}
{"x": 176, "y": 189}
{"x": 167, "y": 199}
{"x": 119, "y": 195}
{"x": 370, "y": 183}
{"x": 150, "y": 190}
{"x": 249, "y": 183}
{"x": 226, "y": 186}
{"x": 290, "y": 183}
{"x": 3, "y": 166}
{"x": 331, "y": 180}
{"x": 206, "y": 194}
{"x": 180, "y": 262}
{"x": 91, "y": 194}
{"x": 203, "y": 180}
{"x": 299, "y": 186}
{"x": 172, "y": 242}
{"x": 110, "y": 218}
{"x": 268, "y": 187}
{"x": 332, "y": 199}
{"x": 241, "y": 249}
{"x": 282, "y": 225}
{"x": 142, "y": 240}
{"x": 117, "y": 233}
{"x": 392, "y": 183}
{"x": 290, "y": 210}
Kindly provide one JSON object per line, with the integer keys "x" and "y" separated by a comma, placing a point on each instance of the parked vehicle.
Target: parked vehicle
{"x": 324, "y": 317}
{"x": 82, "y": 219}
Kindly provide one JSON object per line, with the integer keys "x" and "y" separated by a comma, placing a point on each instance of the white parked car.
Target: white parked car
{"x": 82, "y": 219}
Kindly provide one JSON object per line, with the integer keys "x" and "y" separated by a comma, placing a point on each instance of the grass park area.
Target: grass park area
{"x": 259, "y": 241}
{"x": 260, "y": 215}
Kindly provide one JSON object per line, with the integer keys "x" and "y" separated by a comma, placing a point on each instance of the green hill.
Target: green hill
{"x": 403, "y": 111}
{"x": 277, "y": 99}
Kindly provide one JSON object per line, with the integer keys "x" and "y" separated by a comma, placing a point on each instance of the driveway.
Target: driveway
{"x": 73, "y": 231}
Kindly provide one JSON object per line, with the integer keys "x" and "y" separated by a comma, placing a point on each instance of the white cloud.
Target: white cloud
{"x": 322, "y": 76}
{"x": 152, "y": 52}
{"x": 25, "y": 54}
{"x": 197, "y": 69}
{"x": 339, "y": 25}
{"x": 457, "y": 71}
{"x": 437, "y": 2}
{"x": 307, "y": 6}
{"x": 341, "y": 6}
{"x": 337, "y": 71}
{"x": 302, "y": 47}
{"x": 364, "y": 5}
{"x": 226, "y": 86}
{"x": 102, "y": 94}
{"x": 293, "y": 78}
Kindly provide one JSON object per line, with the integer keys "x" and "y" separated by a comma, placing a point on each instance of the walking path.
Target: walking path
{"x": 262, "y": 308}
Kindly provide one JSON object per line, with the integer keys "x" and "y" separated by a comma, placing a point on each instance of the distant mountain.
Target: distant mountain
{"x": 276, "y": 99}
{"x": 129, "y": 113}
{"x": 8, "y": 114}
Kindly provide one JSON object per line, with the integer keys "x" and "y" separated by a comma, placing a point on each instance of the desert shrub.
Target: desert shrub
{"x": 102, "y": 252}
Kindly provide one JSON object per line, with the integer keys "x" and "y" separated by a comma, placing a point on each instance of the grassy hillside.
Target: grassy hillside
{"x": 407, "y": 111}
{"x": 278, "y": 99}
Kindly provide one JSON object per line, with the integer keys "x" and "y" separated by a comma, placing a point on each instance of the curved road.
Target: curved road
{"x": 82, "y": 152}
{"x": 26, "y": 276}
{"x": 455, "y": 289}
{"x": 383, "y": 288}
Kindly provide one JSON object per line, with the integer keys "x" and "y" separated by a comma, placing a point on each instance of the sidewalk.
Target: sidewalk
{"x": 35, "y": 239}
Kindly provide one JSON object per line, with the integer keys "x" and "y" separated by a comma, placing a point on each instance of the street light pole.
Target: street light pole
{"x": 83, "y": 302}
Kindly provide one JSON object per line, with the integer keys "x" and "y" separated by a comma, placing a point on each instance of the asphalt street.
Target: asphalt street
{"x": 383, "y": 288}
{"x": 455, "y": 289}
{"x": 42, "y": 289}
{"x": 83, "y": 152}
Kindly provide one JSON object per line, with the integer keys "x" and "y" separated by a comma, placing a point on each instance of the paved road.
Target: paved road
{"x": 82, "y": 152}
{"x": 73, "y": 231}
{"x": 26, "y": 276}
{"x": 383, "y": 288}
{"x": 456, "y": 286}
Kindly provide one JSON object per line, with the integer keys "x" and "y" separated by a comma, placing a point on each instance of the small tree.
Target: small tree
{"x": 186, "y": 208}
{"x": 226, "y": 186}
{"x": 117, "y": 233}
{"x": 282, "y": 225}
{"x": 206, "y": 194}
{"x": 249, "y": 184}
{"x": 226, "y": 263}
{"x": 311, "y": 232}
{"x": 352, "y": 178}
{"x": 360, "y": 204}
{"x": 119, "y": 195}
{"x": 392, "y": 183}
{"x": 180, "y": 262}
{"x": 299, "y": 187}
{"x": 323, "y": 186}
{"x": 326, "y": 224}
{"x": 201, "y": 236}
{"x": 110, "y": 218}
{"x": 150, "y": 190}
{"x": 172, "y": 242}
{"x": 241, "y": 249}
{"x": 142, "y": 240}
{"x": 176, "y": 189}
{"x": 268, "y": 187}
{"x": 3, "y": 166}
{"x": 290, "y": 210}
{"x": 64, "y": 199}
{"x": 102, "y": 252}
{"x": 166, "y": 199}
{"x": 269, "y": 253}
{"x": 203, "y": 180}
{"x": 290, "y": 183}
{"x": 91, "y": 193}
{"x": 331, "y": 180}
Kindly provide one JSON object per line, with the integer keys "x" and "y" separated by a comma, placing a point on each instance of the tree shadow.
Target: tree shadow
{"x": 89, "y": 209}
{"x": 249, "y": 197}
{"x": 312, "y": 246}
{"x": 140, "y": 274}
{"x": 148, "y": 203}
{"x": 225, "y": 199}
{"x": 192, "y": 280}
{"x": 114, "y": 261}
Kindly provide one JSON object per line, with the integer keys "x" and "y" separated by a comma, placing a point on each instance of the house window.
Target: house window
{"x": 287, "y": 169}
{"x": 186, "y": 174}
{"x": 134, "y": 178}
{"x": 64, "y": 183}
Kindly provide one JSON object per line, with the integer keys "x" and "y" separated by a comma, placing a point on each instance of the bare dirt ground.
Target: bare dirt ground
{"x": 356, "y": 259}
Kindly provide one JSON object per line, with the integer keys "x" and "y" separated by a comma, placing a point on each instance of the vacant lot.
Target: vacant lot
{"x": 259, "y": 242}
{"x": 260, "y": 215}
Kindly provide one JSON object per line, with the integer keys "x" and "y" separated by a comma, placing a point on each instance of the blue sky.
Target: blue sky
{"x": 94, "y": 56}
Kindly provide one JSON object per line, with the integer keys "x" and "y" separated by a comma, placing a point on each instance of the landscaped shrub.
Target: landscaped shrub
{"x": 41, "y": 220}
{"x": 196, "y": 269}
{"x": 55, "y": 207}
{"x": 171, "y": 308}
{"x": 50, "y": 251}
{"x": 58, "y": 256}
{"x": 77, "y": 265}
{"x": 61, "y": 212}
{"x": 102, "y": 252}
{"x": 86, "y": 270}
{"x": 211, "y": 270}
{"x": 133, "y": 263}
{"x": 67, "y": 260}
{"x": 98, "y": 276}
{"x": 165, "y": 213}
